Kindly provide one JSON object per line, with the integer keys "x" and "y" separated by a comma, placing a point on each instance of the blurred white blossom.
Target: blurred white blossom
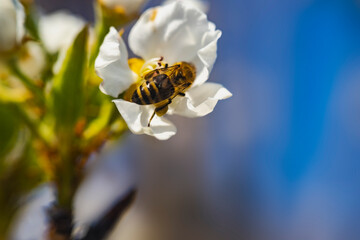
{"x": 32, "y": 60}
{"x": 31, "y": 220}
{"x": 172, "y": 33}
{"x": 12, "y": 29}
{"x": 57, "y": 31}
{"x": 200, "y": 4}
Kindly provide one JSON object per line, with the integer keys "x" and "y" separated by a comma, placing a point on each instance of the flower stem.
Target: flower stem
{"x": 30, "y": 123}
{"x": 27, "y": 81}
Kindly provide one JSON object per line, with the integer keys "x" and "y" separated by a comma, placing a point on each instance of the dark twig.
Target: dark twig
{"x": 60, "y": 222}
{"x": 101, "y": 228}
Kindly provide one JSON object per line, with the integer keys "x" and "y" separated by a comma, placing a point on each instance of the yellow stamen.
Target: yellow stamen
{"x": 121, "y": 32}
{"x": 119, "y": 10}
{"x": 153, "y": 15}
{"x": 136, "y": 64}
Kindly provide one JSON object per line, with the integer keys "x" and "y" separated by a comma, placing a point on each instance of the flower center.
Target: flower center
{"x": 151, "y": 65}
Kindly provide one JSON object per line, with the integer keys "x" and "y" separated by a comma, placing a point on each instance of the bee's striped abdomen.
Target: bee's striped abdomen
{"x": 154, "y": 90}
{"x": 142, "y": 95}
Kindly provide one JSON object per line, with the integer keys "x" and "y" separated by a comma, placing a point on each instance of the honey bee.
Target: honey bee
{"x": 160, "y": 86}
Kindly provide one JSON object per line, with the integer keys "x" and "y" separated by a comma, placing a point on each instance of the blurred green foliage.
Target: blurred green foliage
{"x": 9, "y": 128}
{"x": 52, "y": 123}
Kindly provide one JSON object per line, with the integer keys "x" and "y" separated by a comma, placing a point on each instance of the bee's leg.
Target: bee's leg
{"x": 160, "y": 111}
{"x": 182, "y": 94}
{"x": 160, "y": 60}
{"x": 152, "y": 116}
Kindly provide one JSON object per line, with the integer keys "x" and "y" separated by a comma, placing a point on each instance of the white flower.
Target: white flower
{"x": 57, "y": 31}
{"x": 173, "y": 33}
{"x": 32, "y": 60}
{"x": 12, "y": 18}
{"x": 128, "y": 6}
{"x": 201, "y": 5}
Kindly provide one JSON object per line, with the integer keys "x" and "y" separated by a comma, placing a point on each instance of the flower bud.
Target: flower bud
{"x": 12, "y": 29}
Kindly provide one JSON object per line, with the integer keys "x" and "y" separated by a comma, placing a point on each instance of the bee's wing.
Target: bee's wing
{"x": 168, "y": 71}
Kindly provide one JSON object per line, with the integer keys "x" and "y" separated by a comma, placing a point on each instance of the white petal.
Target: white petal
{"x": 177, "y": 32}
{"x": 59, "y": 29}
{"x": 206, "y": 56}
{"x": 137, "y": 118}
{"x": 199, "y": 100}
{"x": 199, "y": 4}
{"x": 173, "y": 31}
{"x": 112, "y": 65}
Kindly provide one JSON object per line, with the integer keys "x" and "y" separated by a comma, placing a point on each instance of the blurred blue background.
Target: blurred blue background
{"x": 289, "y": 156}
{"x": 280, "y": 159}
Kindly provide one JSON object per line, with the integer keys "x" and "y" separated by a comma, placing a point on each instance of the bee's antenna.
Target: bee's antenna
{"x": 152, "y": 116}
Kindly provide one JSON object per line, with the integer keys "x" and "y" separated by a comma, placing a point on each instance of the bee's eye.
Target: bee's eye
{"x": 160, "y": 79}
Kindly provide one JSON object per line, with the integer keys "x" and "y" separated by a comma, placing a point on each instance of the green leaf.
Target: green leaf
{"x": 9, "y": 127}
{"x": 99, "y": 123}
{"x": 68, "y": 86}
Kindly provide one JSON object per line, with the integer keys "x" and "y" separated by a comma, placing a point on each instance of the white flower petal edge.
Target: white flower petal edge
{"x": 199, "y": 101}
{"x": 20, "y": 20}
{"x": 177, "y": 32}
{"x": 199, "y": 4}
{"x": 137, "y": 118}
{"x": 206, "y": 56}
{"x": 57, "y": 31}
{"x": 112, "y": 65}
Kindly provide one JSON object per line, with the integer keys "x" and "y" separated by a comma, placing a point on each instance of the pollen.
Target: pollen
{"x": 120, "y": 10}
{"x": 152, "y": 64}
{"x": 121, "y": 32}
{"x": 153, "y": 15}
